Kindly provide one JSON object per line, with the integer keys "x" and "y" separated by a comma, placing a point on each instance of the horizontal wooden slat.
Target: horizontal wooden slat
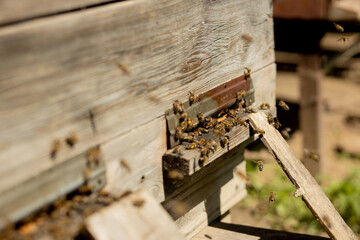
{"x": 126, "y": 62}
{"x": 13, "y": 11}
{"x": 227, "y": 231}
{"x": 137, "y": 216}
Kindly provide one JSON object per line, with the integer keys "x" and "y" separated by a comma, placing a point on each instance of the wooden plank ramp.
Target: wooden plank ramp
{"x": 306, "y": 185}
{"x": 137, "y": 216}
{"x": 220, "y": 230}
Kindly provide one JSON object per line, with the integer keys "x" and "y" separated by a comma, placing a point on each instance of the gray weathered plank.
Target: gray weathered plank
{"x": 227, "y": 231}
{"x": 127, "y": 62}
{"x": 210, "y": 193}
{"x": 306, "y": 185}
{"x": 12, "y": 11}
{"x": 137, "y": 216}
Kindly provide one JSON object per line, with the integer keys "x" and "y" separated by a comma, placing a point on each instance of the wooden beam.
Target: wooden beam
{"x": 137, "y": 216}
{"x": 311, "y": 110}
{"x": 306, "y": 185}
{"x": 226, "y": 231}
{"x": 105, "y": 71}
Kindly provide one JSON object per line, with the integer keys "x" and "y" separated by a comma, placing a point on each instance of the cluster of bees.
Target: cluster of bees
{"x": 71, "y": 140}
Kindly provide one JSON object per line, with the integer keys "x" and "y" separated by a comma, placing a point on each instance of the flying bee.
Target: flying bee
{"x": 270, "y": 118}
{"x": 247, "y": 73}
{"x": 272, "y": 197}
{"x": 56, "y": 145}
{"x": 175, "y": 174}
{"x": 184, "y": 116}
{"x": 192, "y": 98}
{"x": 224, "y": 141}
{"x": 125, "y": 165}
{"x": 249, "y": 110}
{"x": 192, "y": 146}
{"x": 71, "y": 140}
{"x": 285, "y": 133}
{"x": 338, "y": 27}
{"x": 259, "y": 131}
{"x": 344, "y": 38}
{"x": 240, "y": 95}
{"x": 277, "y": 124}
{"x": 201, "y": 117}
{"x": 203, "y": 160}
{"x": 184, "y": 125}
{"x": 284, "y": 105}
{"x": 265, "y": 106}
{"x": 260, "y": 165}
{"x": 203, "y": 152}
{"x": 312, "y": 155}
{"x": 178, "y": 107}
{"x": 203, "y": 130}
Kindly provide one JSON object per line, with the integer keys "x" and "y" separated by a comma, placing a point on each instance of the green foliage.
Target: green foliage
{"x": 290, "y": 213}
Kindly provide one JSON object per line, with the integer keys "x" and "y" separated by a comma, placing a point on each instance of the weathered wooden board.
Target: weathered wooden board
{"x": 134, "y": 160}
{"x": 137, "y": 216}
{"x": 211, "y": 194}
{"x": 306, "y": 185}
{"x": 227, "y": 231}
{"x": 13, "y": 11}
{"x": 126, "y": 62}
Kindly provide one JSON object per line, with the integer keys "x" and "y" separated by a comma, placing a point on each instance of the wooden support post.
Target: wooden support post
{"x": 306, "y": 185}
{"x": 311, "y": 75}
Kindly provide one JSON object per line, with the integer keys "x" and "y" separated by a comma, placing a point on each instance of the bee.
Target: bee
{"x": 138, "y": 203}
{"x": 285, "y": 133}
{"x": 220, "y": 129}
{"x": 284, "y": 105}
{"x": 249, "y": 110}
{"x": 344, "y": 38}
{"x": 259, "y": 131}
{"x": 94, "y": 156}
{"x": 312, "y": 155}
{"x": 56, "y": 145}
{"x": 260, "y": 165}
{"x": 272, "y": 197}
{"x": 192, "y": 98}
{"x": 203, "y": 130}
{"x": 208, "y": 119}
{"x": 265, "y": 106}
{"x": 175, "y": 174}
{"x": 240, "y": 95}
{"x": 232, "y": 113}
{"x": 247, "y": 73}
{"x": 123, "y": 68}
{"x": 189, "y": 138}
{"x": 184, "y": 125}
{"x": 228, "y": 126}
{"x": 176, "y": 149}
{"x": 224, "y": 141}
{"x": 203, "y": 152}
{"x": 71, "y": 140}
{"x": 195, "y": 134}
{"x": 203, "y": 160}
{"x": 240, "y": 104}
{"x": 200, "y": 117}
{"x": 125, "y": 165}
{"x": 192, "y": 123}
{"x": 338, "y": 27}
{"x": 277, "y": 124}
{"x": 184, "y": 116}
{"x": 178, "y": 107}
{"x": 179, "y": 133}
{"x": 192, "y": 146}
{"x": 241, "y": 174}
{"x": 270, "y": 118}
{"x": 211, "y": 124}
{"x": 241, "y": 121}
{"x": 213, "y": 144}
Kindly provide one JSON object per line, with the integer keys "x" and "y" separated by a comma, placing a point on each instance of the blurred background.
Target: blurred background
{"x": 317, "y": 45}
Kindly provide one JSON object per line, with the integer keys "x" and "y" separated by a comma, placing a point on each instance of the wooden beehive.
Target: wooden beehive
{"x": 106, "y": 72}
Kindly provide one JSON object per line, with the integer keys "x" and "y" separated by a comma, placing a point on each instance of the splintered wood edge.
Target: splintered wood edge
{"x": 187, "y": 161}
{"x": 309, "y": 189}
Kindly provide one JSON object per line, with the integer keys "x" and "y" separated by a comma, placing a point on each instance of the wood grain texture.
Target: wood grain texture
{"x": 126, "y": 62}
{"x": 211, "y": 194}
{"x": 306, "y": 185}
{"x": 137, "y": 216}
{"x": 226, "y": 231}
{"x": 134, "y": 160}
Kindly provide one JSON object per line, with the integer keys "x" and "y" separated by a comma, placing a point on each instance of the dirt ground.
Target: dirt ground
{"x": 341, "y": 131}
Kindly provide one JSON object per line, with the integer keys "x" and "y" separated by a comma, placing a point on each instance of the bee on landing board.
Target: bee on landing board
{"x": 247, "y": 73}
{"x": 272, "y": 197}
{"x": 270, "y": 118}
{"x": 200, "y": 116}
{"x": 259, "y": 131}
{"x": 265, "y": 106}
{"x": 178, "y": 107}
{"x": 240, "y": 95}
{"x": 184, "y": 116}
{"x": 224, "y": 141}
{"x": 284, "y": 105}
{"x": 192, "y": 98}
{"x": 203, "y": 160}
